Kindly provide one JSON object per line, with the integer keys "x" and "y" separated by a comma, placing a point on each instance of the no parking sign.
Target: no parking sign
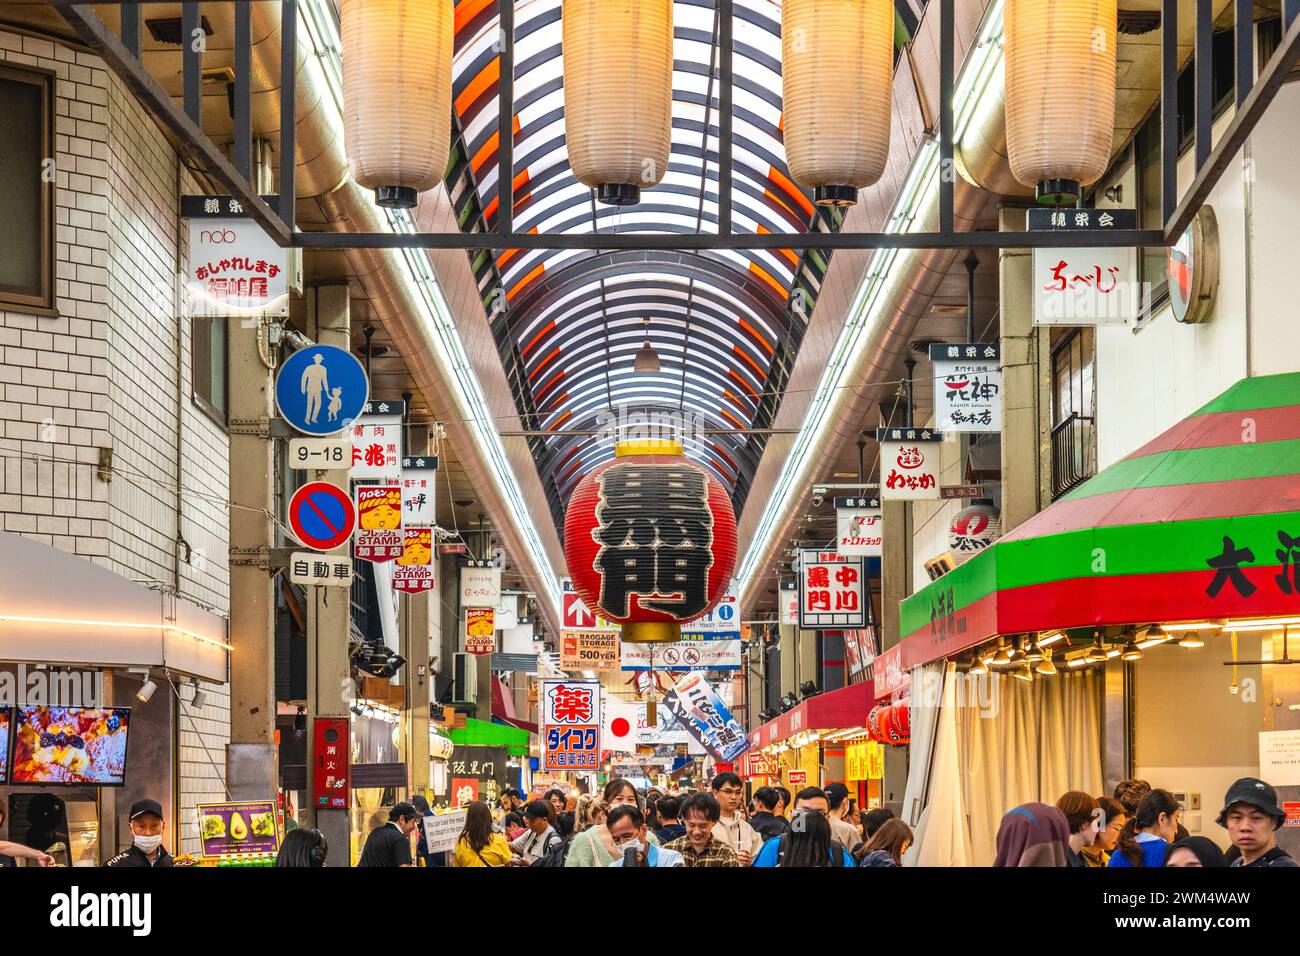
{"x": 321, "y": 515}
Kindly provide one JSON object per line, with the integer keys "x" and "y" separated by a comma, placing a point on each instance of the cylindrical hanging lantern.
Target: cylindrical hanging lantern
{"x": 973, "y": 528}
{"x": 874, "y": 730}
{"x": 901, "y": 728}
{"x": 650, "y": 540}
{"x": 618, "y": 94}
{"x": 1060, "y": 93}
{"x": 838, "y": 75}
{"x": 397, "y": 95}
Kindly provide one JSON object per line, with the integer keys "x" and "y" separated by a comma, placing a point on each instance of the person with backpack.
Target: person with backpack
{"x": 531, "y": 845}
{"x": 886, "y": 846}
{"x": 809, "y": 841}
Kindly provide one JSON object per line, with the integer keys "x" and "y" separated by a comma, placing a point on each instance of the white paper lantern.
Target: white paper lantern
{"x": 837, "y": 62}
{"x": 1060, "y": 93}
{"x": 618, "y": 94}
{"x": 973, "y": 528}
{"x": 397, "y": 95}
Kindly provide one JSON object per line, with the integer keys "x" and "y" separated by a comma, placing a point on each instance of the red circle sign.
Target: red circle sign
{"x": 322, "y": 515}
{"x": 620, "y": 727}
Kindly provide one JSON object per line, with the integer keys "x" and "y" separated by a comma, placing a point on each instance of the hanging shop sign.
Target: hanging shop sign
{"x": 1279, "y": 757}
{"x": 443, "y": 830}
{"x": 909, "y": 463}
{"x": 589, "y": 650}
{"x": 414, "y": 571}
{"x": 967, "y": 387}
{"x": 1193, "y": 267}
{"x": 789, "y": 598}
{"x": 797, "y": 778}
{"x": 480, "y": 630}
{"x": 419, "y": 483}
{"x": 480, "y": 769}
{"x": 226, "y": 829}
{"x": 859, "y": 527}
{"x": 698, "y": 706}
{"x": 480, "y": 587}
{"x": 720, "y": 624}
{"x": 319, "y": 454}
{"x": 888, "y": 675}
{"x": 684, "y": 656}
{"x": 577, "y": 616}
{"x": 331, "y": 777}
{"x": 322, "y": 516}
{"x": 758, "y": 764}
{"x": 960, "y": 492}
{"x": 377, "y": 442}
{"x": 1042, "y": 219}
{"x": 235, "y": 269}
{"x": 463, "y": 791}
{"x": 571, "y": 725}
{"x": 972, "y": 529}
{"x": 832, "y": 591}
{"x": 379, "y": 523}
{"x": 859, "y": 649}
{"x": 321, "y": 390}
{"x": 1085, "y": 286}
{"x": 325, "y": 570}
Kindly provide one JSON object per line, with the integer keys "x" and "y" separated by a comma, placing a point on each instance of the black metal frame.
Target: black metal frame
{"x": 1253, "y": 99}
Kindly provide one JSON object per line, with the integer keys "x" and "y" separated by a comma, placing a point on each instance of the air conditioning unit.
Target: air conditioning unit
{"x": 464, "y": 679}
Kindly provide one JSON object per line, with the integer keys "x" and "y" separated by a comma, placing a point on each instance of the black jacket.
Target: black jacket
{"x": 769, "y": 825}
{"x": 135, "y": 857}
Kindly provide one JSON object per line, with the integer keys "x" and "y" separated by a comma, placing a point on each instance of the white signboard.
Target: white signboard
{"x": 967, "y": 387}
{"x": 377, "y": 443}
{"x": 722, "y": 623}
{"x": 832, "y": 591}
{"x": 626, "y": 727}
{"x": 1279, "y": 757}
{"x": 419, "y": 482}
{"x": 235, "y": 269}
{"x": 442, "y": 830}
{"x": 480, "y": 587}
{"x": 909, "y": 463}
{"x": 319, "y": 454}
{"x": 859, "y": 527}
{"x": 790, "y": 604}
{"x": 683, "y": 656}
{"x": 1091, "y": 286}
{"x": 327, "y": 570}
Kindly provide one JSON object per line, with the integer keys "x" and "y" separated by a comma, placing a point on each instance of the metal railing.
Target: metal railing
{"x": 1074, "y": 454}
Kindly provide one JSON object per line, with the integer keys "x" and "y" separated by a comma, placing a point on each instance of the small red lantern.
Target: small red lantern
{"x": 874, "y": 730}
{"x": 903, "y": 719}
{"x": 650, "y": 540}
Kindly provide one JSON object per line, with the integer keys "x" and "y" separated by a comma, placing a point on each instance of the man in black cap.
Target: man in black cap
{"x": 1251, "y": 816}
{"x": 390, "y": 845}
{"x": 842, "y": 831}
{"x": 146, "y": 849}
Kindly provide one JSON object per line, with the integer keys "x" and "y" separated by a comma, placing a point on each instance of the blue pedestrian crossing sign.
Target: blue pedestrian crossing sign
{"x": 321, "y": 390}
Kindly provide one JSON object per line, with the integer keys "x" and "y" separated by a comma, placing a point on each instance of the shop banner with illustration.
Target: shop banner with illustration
{"x": 859, "y": 527}
{"x": 413, "y": 572}
{"x": 698, "y": 706}
{"x": 967, "y": 387}
{"x": 480, "y": 630}
{"x": 235, "y": 268}
{"x": 571, "y": 725}
{"x": 909, "y": 464}
{"x": 377, "y": 442}
{"x": 832, "y": 591}
{"x": 379, "y": 523}
{"x": 231, "y": 828}
{"x": 589, "y": 650}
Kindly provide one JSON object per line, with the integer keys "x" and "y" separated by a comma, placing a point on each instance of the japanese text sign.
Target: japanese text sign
{"x": 789, "y": 599}
{"x": 419, "y": 483}
{"x": 967, "y": 387}
{"x": 480, "y": 587}
{"x": 859, "y": 527}
{"x": 377, "y": 444}
{"x": 909, "y": 463}
{"x": 414, "y": 571}
{"x": 480, "y": 630}
{"x": 235, "y": 269}
{"x": 331, "y": 775}
{"x": 832, "y": 591}
{"x": 888, "y": 674}
{"x": 330, "y": 570}
{"x": 571, "y": 725}
{"x": 588, "y": 650}
{"x": 684, "y": 656}
{"x": 698, "y": 706}
{"x": 720, "y": 624}
{"x": 1088, "y": 286}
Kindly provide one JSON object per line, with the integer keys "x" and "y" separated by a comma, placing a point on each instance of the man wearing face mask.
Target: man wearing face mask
{"x": 627, "y": 826}
{"x": 146, "y": 850}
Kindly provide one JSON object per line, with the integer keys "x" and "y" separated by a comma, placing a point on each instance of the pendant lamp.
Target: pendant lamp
{"x": 397, "y": 95}
{"x": 837, "y": 64}
{"x": 1060, "y": 93}
{"x": 618, "y": 94}
{"x": 647, "y": 359}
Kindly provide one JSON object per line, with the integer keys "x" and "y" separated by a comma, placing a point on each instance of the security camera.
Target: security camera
{"x": 817, "y": 501}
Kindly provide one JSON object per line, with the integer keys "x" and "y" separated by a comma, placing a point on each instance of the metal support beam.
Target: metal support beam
{"x": 192, "y": 143}
{"x": 1204, "y": 72}
{"x": 726, "y": 52}
{"x": 1244, "y": 27}
{"x": 288, "y": 109}
{"x": 1234, "y": 137}
{"x": 193, "y": 41}
{"x": 131, "y": 28}
{"x": 947, "y": 170}
{"x": 506, "y": 123}
{"x": 1168, "y": 108}
{"x": 243, "y": 91}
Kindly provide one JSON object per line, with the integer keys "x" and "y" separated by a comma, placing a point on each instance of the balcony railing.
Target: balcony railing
{"x": 1074, "y": 454}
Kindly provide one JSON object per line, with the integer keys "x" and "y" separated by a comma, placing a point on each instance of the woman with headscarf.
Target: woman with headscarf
{"x": 1194, "y": 851}
{"x": 1033, "y": 834}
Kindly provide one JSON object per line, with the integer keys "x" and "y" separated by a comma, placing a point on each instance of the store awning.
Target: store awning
{"x": 1203, "y": 523}
{"x": 833, "y": 710}
{"x": 482, "y": 733}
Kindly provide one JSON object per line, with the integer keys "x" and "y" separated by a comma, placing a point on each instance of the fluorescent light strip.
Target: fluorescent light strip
{"x": 922, "y": 180}
{"x": 127, "y": 625}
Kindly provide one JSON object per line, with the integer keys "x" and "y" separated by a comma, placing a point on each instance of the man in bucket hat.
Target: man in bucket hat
{"x": 1251, "y": 816}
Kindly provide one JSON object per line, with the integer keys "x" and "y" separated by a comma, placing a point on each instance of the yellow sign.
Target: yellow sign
{"x": 865, "y": 761}
{"x": 417, "y": 548}
{"x": 589, "y": 650}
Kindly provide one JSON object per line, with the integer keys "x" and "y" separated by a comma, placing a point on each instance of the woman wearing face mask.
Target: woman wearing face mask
{"x": 627, "y": 829}
{"x": 1149, "y": 832}
{"x": 594, "y": 846}
{"x": 146, "y": 850}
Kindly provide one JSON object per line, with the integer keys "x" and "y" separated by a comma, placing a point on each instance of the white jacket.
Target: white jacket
{"x": 738, "y": 834}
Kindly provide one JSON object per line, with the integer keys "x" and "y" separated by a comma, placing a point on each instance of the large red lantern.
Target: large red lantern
{"x": 874, "y": 730}
{"x": 650, "y": 540}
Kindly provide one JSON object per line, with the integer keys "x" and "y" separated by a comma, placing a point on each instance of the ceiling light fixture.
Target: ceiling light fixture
{"x": 977, "y": 666}
{"x": 1191, "y": 639}
{"x": 1003, "y": 655}
{"x": 647, "y": 359}
{"x": 1131, "y": 652}
{"x": 1046, "y": 667}
{"x": 1047, "y": 640}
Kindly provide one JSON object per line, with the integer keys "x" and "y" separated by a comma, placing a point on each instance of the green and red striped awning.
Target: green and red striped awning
{"x": 1203, "y": 522}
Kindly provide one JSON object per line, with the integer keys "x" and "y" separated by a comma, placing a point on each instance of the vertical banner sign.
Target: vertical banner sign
{"x": 419, "y": 481}
{"x": 967, "y": 387}
{"x": 377, "y": 442}
{"x": 379, "y": 523}
{"x": 480, "y": 630}
{"x": 235, "y": 268}
{"x": 832, "y": 591}
{"x": 888, "y": 672}
{"x": 859, "y": 527}
{"x": 331, "y": 775}
{"x": 414, "y": 570}
{"x": 909, "y": 463}
{"x": 571, "y": 725}
{"x": 577, "y": 616}
{"x": 480, "y": 587}
{"x": 698, "y": 706}
{"x": 790, "y": 602}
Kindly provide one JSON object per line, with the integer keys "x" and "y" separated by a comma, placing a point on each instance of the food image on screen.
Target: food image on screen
{"x": 4, "y": 745}
{"x": 70, "y": 745}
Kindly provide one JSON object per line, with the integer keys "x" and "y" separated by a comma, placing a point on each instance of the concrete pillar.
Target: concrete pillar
{"x": 1026, "y": 386}
{"x": 329, "y": 671}
{"x": 895, "y": 567}
{"x": 789, "y": 658}
{"x": 252, "y": 770}
{"x": 415, "y": 623}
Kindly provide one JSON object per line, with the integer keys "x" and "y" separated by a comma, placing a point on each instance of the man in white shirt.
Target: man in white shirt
{"x": 731, "y": 828}
{"x": 540, "y": 836}
{"x": 626, "y": 825}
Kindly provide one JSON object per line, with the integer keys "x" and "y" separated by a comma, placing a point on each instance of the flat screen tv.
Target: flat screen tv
{"x": 4, "y": 745}
{"x": 70, "y": 745}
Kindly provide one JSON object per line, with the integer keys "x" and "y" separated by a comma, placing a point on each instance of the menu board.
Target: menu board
{"x": 230, "y": 828}
{"x": 70, "y": 745}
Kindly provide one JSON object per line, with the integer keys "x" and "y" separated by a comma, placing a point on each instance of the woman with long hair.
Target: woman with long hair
{"x": 478, "y": 845}
{"x": 1114, "y": 816}
{"x": 887, "y": 845}
{"x": 303, "y": 847}
{"x": 591, "y": 812}
{"x": 808, "y": 843}
{"x": 1148, "y": 832}
{"x": 594, "y": 846}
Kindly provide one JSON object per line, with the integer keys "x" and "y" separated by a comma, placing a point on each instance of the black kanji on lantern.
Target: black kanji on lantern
{"x": 656, "y": 534}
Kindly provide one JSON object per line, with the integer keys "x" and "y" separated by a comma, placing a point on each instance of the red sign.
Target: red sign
{"x": 832, "y": 591}
{"x": 480, "y": 630}
{"x": 464, "y": 791}
{"x": 1292, "y": 811}
{"x": 331, "y": 786}
{"x": 798, "y": 778}
{"x": 887, "y": 672}
{"x": 322, "y": 515}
